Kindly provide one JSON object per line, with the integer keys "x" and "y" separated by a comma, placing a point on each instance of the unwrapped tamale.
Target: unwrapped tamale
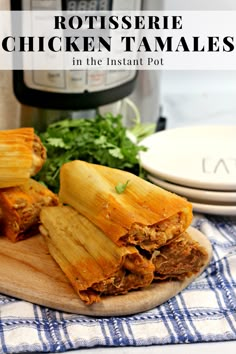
{"x": 143, "y": 215}
{"x": 22, "y": 155}
{"x": 20, "y": 207}
{"x": 92, "y": 262}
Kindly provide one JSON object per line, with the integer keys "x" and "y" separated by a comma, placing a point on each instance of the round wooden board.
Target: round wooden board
{"x": 28, "y": 272}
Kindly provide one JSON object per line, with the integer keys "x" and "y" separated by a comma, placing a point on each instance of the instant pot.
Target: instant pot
{"x": 57, "y": 94}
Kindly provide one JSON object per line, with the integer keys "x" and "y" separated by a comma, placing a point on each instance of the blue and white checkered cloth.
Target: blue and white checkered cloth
{"x": 205, "y": 311}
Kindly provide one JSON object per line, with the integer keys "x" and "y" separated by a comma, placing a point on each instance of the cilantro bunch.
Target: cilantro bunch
{"x": 102, "y": 140}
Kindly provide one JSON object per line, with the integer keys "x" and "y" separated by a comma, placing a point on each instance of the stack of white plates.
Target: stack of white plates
{"x": 197, "y": 162}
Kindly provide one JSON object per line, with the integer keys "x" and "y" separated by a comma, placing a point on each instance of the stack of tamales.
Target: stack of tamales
{"x": 108, "y": 243}
{"x": 22, "y": 155}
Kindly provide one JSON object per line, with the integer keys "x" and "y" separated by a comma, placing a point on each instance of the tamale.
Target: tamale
{"x": 92, "y": 262}
{"x": 143, "y": 215}
{"x": 22, "y": 155}
{"x": 20, "y": 207}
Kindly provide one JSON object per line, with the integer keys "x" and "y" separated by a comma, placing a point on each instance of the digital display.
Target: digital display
{"x": 88, "y": 5}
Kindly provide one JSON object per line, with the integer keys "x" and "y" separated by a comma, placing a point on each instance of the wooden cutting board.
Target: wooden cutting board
{"x": 28, "y": 272}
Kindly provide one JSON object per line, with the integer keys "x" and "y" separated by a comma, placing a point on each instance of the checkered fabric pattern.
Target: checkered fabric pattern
{"x": 205, "y": 311}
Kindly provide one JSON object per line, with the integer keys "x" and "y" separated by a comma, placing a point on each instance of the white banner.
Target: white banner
{"x": 119, "y": 40}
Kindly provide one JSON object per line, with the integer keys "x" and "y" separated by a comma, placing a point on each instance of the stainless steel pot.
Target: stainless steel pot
{"x": 13, "y": 114}
{"x": 9, "y": 106}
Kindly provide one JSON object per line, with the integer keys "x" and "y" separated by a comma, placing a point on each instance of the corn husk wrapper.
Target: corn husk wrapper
{"x": 143, "y": 214}
{"x": 21, "y": 155}
{"x": 92, "y": 262}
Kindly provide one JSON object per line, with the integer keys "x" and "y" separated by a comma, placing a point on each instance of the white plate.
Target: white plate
{"x": 196, "y": 156}
{"x": 200, "y": 194}
{"x": 214, "y": 209}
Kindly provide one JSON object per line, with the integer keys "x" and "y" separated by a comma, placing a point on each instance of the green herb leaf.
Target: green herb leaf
{"x": 56, "y": 142}
{"x": 102, "y": 140}
{"x": 121, "y": 187}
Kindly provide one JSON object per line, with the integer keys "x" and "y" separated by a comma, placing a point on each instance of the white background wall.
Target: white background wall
{"x": 196, "y": 97}
{"x": 199, "y": 4}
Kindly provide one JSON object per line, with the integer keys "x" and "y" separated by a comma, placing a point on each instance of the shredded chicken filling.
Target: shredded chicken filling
{"x": 181, "y": 258}
{"x": 29, "y": 214}
{"x": 136, "y": 272}
{"x": 39, "y": 155}
{"x": 154, "y": 236}
{"x": 122, "y": 282}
